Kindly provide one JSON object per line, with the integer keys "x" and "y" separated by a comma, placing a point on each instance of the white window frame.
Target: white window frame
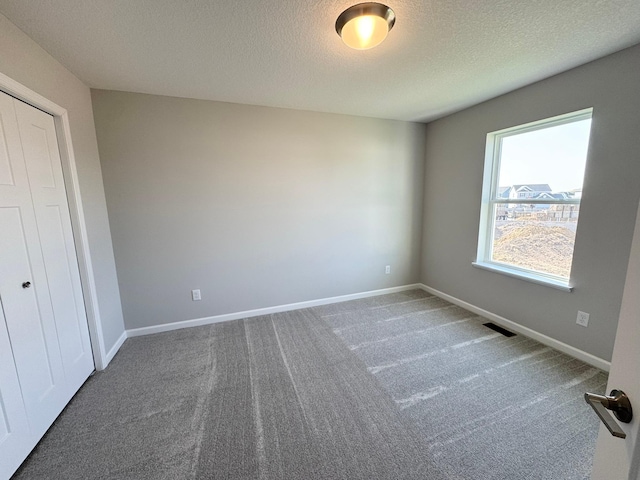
{"x": 490, "y": 199}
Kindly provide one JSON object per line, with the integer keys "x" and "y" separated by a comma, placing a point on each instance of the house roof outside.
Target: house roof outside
{"x": 532, "y": 187}
{"x": 549, "y": 196}
{"x": 542, "y": 191}
{"x": 503, "y": 192}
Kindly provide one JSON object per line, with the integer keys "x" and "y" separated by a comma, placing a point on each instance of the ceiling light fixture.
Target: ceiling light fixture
{"x": 365, "y": 25}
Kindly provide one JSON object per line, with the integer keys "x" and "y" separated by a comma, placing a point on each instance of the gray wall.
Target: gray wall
{"x": 25, "y": 62}
{"x": 255, "y": 206}
{"x": 453, "y": 186}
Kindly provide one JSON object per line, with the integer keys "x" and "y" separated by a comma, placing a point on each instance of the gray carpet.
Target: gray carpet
{"x": 488, "y": 406}
{"x": 401, "y": 386}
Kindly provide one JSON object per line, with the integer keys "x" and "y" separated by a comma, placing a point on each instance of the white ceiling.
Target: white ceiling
{"x": 441, "y": 56}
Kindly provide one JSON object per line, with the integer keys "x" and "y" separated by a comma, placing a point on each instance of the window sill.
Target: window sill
{"x": 528, "y": 277}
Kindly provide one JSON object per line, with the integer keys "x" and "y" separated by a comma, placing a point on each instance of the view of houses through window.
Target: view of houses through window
{"x": 534, "y": 204}
{"x": 538, "y": 237}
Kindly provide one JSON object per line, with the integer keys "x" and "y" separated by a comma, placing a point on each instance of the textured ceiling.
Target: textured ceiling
{"x": 441, "y": 56}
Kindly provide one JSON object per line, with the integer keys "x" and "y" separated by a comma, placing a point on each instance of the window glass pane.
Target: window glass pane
{"x": 539, "y": 238}
{"x": 534, "y": 163}
{"x": 547, "y": 163}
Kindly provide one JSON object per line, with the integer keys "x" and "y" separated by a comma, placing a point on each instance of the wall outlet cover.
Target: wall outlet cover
{"x": 583, "y": 319}
{"x": 195, "y": 295}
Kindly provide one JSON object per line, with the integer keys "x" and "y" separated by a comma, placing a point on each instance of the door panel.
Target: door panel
{"x": 29, "y": 320}
{"x": 44, "y": 171}
{"x": 45, "y": 354}
{"x": 14, "y": 428}
{"x": 28, "y": 313}
{"x": 6, "y": 173}
{"x": 62, "y": 293}
{"x": 617, "y": 458}
{"x": 36, "y": 146}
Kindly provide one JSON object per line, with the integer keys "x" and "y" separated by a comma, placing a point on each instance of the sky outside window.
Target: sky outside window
{"x": 555, "y": 156}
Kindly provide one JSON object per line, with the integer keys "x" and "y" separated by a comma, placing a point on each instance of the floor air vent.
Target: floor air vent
{"x": 499, "y": 329}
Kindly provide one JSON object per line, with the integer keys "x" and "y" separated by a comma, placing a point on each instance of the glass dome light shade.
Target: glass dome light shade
{"x": 365, "y": 25}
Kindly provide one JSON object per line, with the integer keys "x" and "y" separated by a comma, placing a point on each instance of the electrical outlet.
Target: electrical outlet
{"x": 583, "y": 319}
{"x": 387, "y": 270}
{"x": 195, "y": 295}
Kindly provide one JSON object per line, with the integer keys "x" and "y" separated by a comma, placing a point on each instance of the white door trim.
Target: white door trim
{"x": 63, "y": 132}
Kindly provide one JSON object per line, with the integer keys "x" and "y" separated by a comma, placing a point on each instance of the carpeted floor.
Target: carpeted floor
{"x": 400, "y": 386}
{"x": 488, "y": 406}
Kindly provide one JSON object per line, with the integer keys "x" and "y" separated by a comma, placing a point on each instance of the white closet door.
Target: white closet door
{"x": 28, "y": 312}
{"x": 40, "y": 292}
{"x": 14, "y": 429}
{"x": 44, "y": 170}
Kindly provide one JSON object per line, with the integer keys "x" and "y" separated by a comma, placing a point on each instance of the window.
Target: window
{"x": 531, "y": 198}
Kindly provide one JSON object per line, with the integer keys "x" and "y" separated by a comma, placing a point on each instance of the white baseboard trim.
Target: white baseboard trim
{"x": 115, "y": 348}
{"x": 527, "y": 332}
{"x": 136, "y": 332}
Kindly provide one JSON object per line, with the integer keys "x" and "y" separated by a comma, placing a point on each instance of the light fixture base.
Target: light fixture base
{"x": 368, "y": 9}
